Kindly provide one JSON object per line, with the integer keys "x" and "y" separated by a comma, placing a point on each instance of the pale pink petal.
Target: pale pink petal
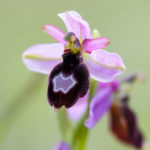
{"x": 115, "y": 85}
{"x": 77, "y": 111}
{"x": 55, "y": 32}
{"x": 99, "y": 105}
{"x": 92, "y": 44}
{"x": 43, "y": 57}
{"x": 104, "y": 66}
{"x": 76, "y": 24}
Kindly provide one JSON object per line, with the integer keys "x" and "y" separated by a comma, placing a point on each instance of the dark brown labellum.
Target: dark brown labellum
{"x": 68, "y": 81}
{"x": 124, "y": 124}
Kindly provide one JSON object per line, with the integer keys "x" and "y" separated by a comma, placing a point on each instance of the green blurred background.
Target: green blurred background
{"x": 27, "y": 122}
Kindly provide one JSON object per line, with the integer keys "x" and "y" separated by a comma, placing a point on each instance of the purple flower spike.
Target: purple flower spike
{"x": 101, "y": 102}
{"x": 61, "y": 146}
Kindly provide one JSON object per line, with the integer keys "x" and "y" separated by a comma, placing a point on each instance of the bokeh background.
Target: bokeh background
{"x": 27, "y": 122}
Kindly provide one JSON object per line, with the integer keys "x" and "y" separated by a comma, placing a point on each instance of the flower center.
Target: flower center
{"x": 73, "y": 45}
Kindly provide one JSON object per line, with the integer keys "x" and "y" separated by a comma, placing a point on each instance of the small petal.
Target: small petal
{"x": 43, "y": 57}
{"x": 77, "y": 111}
{"x": 100, "y": 103}
{"x": 104, "y": 66}
{"x": 55, "y": 32}
{"x": 93, "y": 44}
{"x": 74, "y": 23}
{"x": 61, "y": 146}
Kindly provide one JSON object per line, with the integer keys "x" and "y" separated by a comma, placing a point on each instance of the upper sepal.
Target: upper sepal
{"x": 76, "y": 24}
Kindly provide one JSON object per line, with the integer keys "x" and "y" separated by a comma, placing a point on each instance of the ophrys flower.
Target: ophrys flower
{"x": 82, "y": 49}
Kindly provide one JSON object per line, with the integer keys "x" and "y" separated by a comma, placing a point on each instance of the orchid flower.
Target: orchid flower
{"x": 71, "y": 62}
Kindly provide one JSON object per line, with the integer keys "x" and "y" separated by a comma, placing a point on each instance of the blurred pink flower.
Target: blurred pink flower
{"x": 61, "y": 146}
{"x": 101, "y": 102}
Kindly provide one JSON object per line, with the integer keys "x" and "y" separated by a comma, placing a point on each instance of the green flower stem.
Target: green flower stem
{"x": 80, "y": 133}
{"x": 80, "y": 136}
{"x": 64, "y": 124}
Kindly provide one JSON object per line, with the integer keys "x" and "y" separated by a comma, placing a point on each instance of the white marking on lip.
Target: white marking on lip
{"x": 63, "y": 83}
